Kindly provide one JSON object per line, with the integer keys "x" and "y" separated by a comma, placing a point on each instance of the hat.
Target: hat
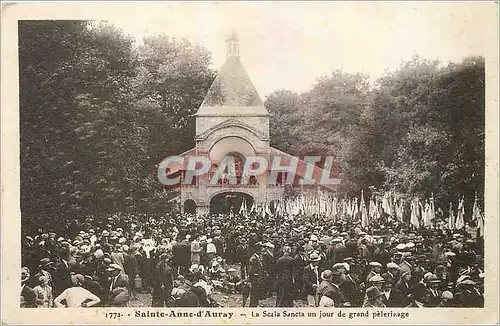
{"x": 52, "y": 234}
{"x": 373, "y": 292}
{"x": 76, "y": 243}
{"x": 462, "y": 278}
{"x": 314, "y": 257}
{"x": 77, "y": 279}
{"x": 375, "y": 264}
{"x": 450, "y": 254}
{"x": 113, "y": 267}
{"x": 326, "y": 275}
{"x": 60, "y": 239}
{"x": 447, "y": 295}
{"x": 348, "y": 259}
{"x": 431, "y": 279}
{"x": 314, "y": 237}
{"x": 338, "y": 265}
{"x": 122, "y": 240}
{"x": 410, "y": 245}
{"x": 203, "y": 238}
{"x": 91, "y": 231}
{"x": 401, "y": 246}
{"x": 468, "y": 282}
{"x": 344, "y": 234}
{"x": 393, "y": 265}
{"x": 45, "y": 262}
{"x": 25, "y": 275}
{"x": 231, "y": 270}
{"x": 376, "y": 279}
{"x": 269, "y": 245}
{"x": 81, "y": 232}
{"x": 105, "y": 233}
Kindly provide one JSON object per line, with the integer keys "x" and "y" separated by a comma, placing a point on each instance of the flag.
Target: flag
{"x": 476, "y": 214}
{"x": 451, "y": 218}
{"x": 243, "y": 207}
{"x": 344, "y": 207}
{"x": 385, "y": 203}
{"x": 414, "y": 216}
{"x": 252, "y": 209}
{"x": 355, "y": 209}
{"x": 459, "y": 223}
{"x": 399, "y": 210}
{"x": 373, "y": 209}
{"x": 268, "y": 209}
{"x": 364, "y": 213}
{"x": 478, "y": 217}
{"x": 432, "y": 210}
{"x": 427, "y": 215}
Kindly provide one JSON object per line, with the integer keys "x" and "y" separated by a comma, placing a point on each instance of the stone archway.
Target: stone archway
{"x": 225, "y": 202}
{"x": 190, "y": 206}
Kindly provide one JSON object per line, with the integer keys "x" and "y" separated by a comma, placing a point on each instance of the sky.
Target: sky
{"x": 288, "y": 45}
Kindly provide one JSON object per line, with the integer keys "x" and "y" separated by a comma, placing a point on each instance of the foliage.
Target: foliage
{"x": 97, "y": 114}
{"x": 418, "y": 131}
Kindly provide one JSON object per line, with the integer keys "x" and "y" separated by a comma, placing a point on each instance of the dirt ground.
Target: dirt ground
{"x": 224, "y": 299}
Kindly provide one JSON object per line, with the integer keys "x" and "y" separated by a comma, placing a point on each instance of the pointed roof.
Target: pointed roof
{"x": 232, "y": 91}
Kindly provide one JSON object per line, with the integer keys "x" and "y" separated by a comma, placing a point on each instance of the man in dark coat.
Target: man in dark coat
{"x": 163, "y": 281}
{"x": 242, "y": 256}
{"x": 402, "y": 291}
{"x": 256, "y": 275}
{"x": 62, "y": 278}
{"x": 300, "y": 262}
{"x": 334, "y": 292}
{"x": 311, "y": 279}
{"x": 349, "y": 286}
{"x": 284, "y": 271}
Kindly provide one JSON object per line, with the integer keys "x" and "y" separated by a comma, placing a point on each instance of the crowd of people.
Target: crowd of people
{"x": 182, "y": 259}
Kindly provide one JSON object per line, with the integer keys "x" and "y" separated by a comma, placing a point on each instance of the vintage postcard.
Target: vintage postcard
{"x": 249, "y": 163}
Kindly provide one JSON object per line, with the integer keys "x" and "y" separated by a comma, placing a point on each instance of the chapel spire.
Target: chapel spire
{"x": 232, "y": 45}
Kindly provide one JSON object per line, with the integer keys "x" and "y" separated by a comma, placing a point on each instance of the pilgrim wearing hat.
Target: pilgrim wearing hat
{"x": 284, "y": 279}
{"x": 163, "y": 278}
{"x": 375, "y": 268}
{"x": 311, "y": 279}
{"x": 335, "y": 292}
{"x": 61, "y": 275}
{"x": 402, "y": 290}
{"x": 432, "y": 283}
{"x": 256, "y": 275}
{"x": 44, "y": 266}
{"x": 28, "y": 296}
{"x": 43, "y": 293}
{"x": 375, "y": 298}
{"x": 325, "y": 287}
{"x": 349, "y": 286}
